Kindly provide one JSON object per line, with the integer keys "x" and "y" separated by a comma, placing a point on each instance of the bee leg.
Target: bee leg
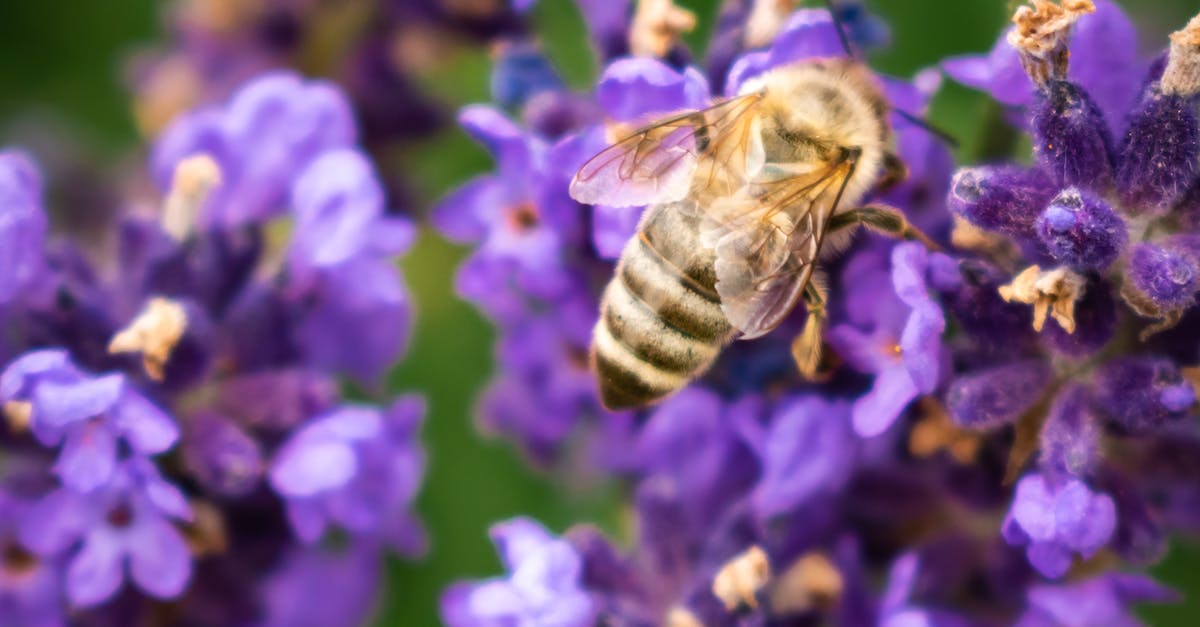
{"x": 806, "y": 347}
{"x": 881, "y": 219}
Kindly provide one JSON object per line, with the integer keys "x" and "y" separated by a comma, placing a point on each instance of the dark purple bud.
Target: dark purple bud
{"x": 998, "y": 395}
{"x": 1006, "y": 199}
{"x": 192, "y": 356}
{"x": 1082, "y": 231}
{"x": 1095, "y": 323}
{"x": 1070, "y": 137}
{"x": 221, "y": 456}
{"x": 1164, "y": 274}
{"x": 995, "y": 326}
{"x": 1071, "y": 437}
{"x": 1141, "y": 394}
{"x": 1157, "y": 162}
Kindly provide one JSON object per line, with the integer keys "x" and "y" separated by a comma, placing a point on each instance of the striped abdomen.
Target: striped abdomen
{"x": 661, "y": 323}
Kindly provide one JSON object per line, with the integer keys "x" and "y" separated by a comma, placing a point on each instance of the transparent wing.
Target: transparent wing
{"x": 658, "y": 162}
{"x": 766, "y": 245}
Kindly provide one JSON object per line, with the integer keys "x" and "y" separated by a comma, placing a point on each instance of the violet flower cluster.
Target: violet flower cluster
{"x": 1006, "y": 432}
{"x": 379, "y": 51}
{"x": 173, "y": 438}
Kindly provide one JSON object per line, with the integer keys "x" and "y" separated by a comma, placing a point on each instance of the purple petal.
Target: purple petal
{"x": 391, "y": 236}
{"x": 1085, "y": 520}
{"x": 164, "y": 495}
{"x": 147, "y": 429}
{"x": 1033, "y": 508}
{"x": 1049, "y": 558}
{"x": 808, "y": 34}
{"x": 88, "y": 456}
{"x": 12, "y": 382}
{"x": 499, "y": 134}
{"x": 1104, "y": 60}
{"x": 484, "y": 603}
{"x": 809, "y": 450}
{"x": 519, "y": 539}
{"x": 307, "y": 466}
{"x": 465, "y": 214}
{"x": 920, "y": 346}
{"x": 337, "y": 200}
{"x": 95, "y": 572}
{"x": 891, "y": 392}
{"x": 308, "y": 519}
{"x": 58, "y": 404}
{"x": 612, "y": 227}
{"x": 901, "y": 581}
{"x": 630, "y": 89}
{"x": 999, "y": 74}
{"x": 159, "y": 561}
{"x": 55, "y": 522}
{"x": 349, "y": 423}
{"x": 359, "y": 320}
{"x": 865, "y": 353}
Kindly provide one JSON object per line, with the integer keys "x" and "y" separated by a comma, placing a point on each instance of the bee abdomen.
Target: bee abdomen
{"x": 661, "y": 323}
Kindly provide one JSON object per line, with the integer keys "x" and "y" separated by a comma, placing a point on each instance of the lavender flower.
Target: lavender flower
{"x": 999, "y": 379}
{"x": 187, "y": 407}
{"x": 1055, "y": 521}
{"x": 543, "y": 586}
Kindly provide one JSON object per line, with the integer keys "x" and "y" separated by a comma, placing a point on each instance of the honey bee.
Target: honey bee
{"x": 743, "y": 198}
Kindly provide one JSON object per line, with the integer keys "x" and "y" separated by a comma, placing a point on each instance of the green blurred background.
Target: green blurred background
{"x": 61, "y": 66}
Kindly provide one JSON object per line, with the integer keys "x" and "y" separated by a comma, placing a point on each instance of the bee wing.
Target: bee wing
{"x": 657, "y": 162}
{"x": 766, "y": 246}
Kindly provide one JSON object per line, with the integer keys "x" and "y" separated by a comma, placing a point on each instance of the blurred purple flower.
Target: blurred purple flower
{"x": 122, "y": 530}
{"x": 269, "y": 130}
{"x": 542, "y": 586}
{"x": 1101, "y": 600}
{"x": 903, "y": 350}
{"x": 808, "y": 450}
{"x": 89, "y": 416}
{"x": 1056, "y": 520}
{"x": 358, "y": 468}
{"x": 317, "y": 586}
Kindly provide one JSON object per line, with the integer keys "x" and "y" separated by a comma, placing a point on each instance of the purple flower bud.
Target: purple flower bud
{"x": 220, "y": 455}
{"x": 1071, "y": 437}
{"x": 1070, "y": 137}
{"x": 998, "y": 395}
{"x": 1007, "y": 199}
{"x": 994, "y": 326}
{"x": 1158, "y": 157}
{"x": 1140, "y": 394}
{"x": 1082, "y": 231}
{"x": 1166, "y": 275}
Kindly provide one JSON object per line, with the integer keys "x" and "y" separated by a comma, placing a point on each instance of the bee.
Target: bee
{"x": 743, "y": 199}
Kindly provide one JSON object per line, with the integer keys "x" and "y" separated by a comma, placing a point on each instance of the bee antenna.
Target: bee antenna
{"x": 929, "y": 127}
{"x": 841, "y": 30}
